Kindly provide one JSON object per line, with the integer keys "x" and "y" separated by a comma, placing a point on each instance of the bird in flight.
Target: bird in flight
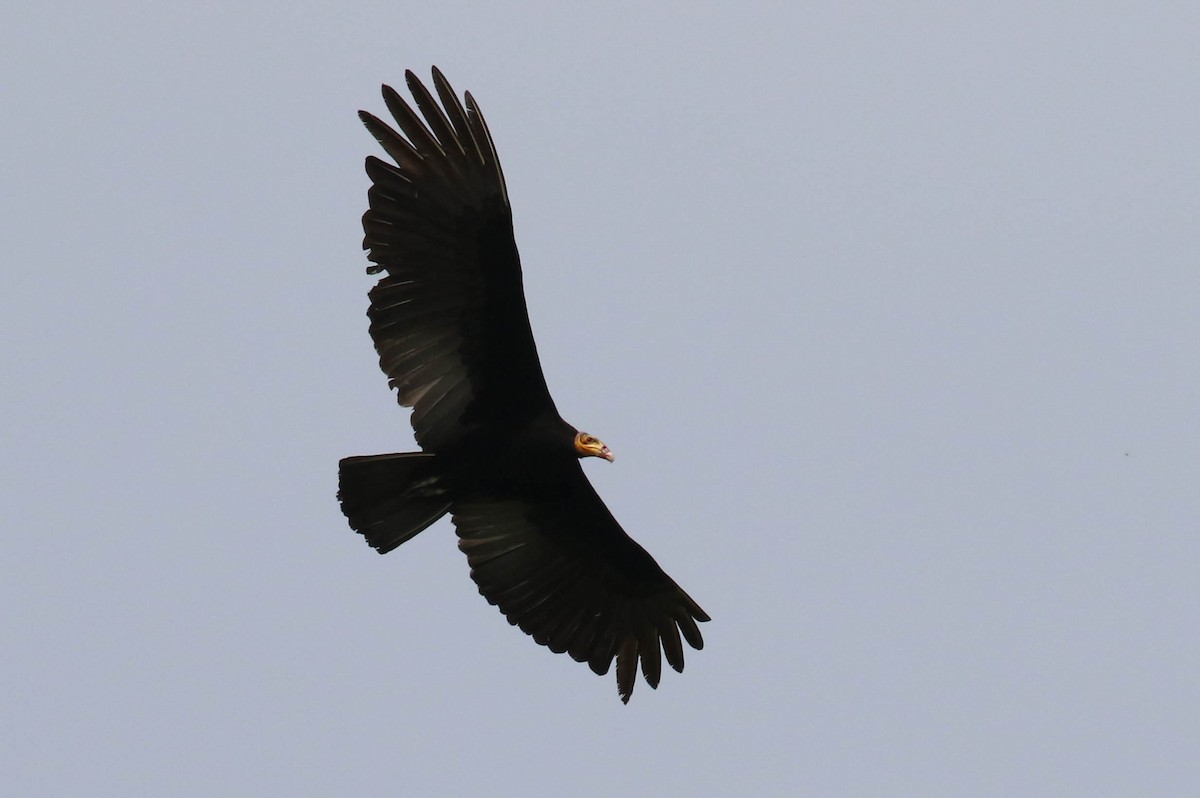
{"x": 449, "y": 322}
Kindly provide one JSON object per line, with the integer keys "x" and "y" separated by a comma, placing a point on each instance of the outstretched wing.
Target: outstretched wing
{"x": 559, "y": 566}
{"x": 448, "y": 319}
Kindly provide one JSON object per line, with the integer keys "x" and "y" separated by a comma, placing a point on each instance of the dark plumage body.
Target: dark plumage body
{"x": 450, "y": 325}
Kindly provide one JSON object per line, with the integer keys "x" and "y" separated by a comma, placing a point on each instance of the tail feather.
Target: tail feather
{"x": 389, "y": 498}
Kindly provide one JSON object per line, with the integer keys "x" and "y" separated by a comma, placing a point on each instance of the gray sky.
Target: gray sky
{"x": 890, "y": 315}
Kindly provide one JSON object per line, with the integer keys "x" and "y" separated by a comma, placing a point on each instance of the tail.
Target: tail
{"x": 389, "y": 498}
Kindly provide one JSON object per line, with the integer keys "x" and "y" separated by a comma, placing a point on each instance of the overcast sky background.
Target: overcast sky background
{"x": 890, "y": 314}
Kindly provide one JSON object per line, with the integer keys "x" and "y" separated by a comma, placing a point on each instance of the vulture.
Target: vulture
{"x": 449, "y": 322}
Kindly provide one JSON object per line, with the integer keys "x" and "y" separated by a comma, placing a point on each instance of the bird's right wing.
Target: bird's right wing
{"x": 448, "y": 319}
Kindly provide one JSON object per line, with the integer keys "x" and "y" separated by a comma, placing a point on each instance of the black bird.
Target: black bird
{"x": 449, "y": 323}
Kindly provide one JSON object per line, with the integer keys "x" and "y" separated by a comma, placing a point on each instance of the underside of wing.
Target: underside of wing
{"x": 448, "y": 318}
{"x": 561, "y": 568}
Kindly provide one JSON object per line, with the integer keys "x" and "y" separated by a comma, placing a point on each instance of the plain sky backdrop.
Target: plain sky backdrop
{"x": 891, "y": 313}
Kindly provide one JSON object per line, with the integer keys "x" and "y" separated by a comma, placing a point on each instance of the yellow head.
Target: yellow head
{"x": 591, "y": 446}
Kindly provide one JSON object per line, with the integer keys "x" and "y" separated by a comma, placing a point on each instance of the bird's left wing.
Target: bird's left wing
{"x": 559, "y": 566}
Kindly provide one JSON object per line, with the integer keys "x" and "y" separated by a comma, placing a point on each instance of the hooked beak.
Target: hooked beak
{"x": 591, "y": 446}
